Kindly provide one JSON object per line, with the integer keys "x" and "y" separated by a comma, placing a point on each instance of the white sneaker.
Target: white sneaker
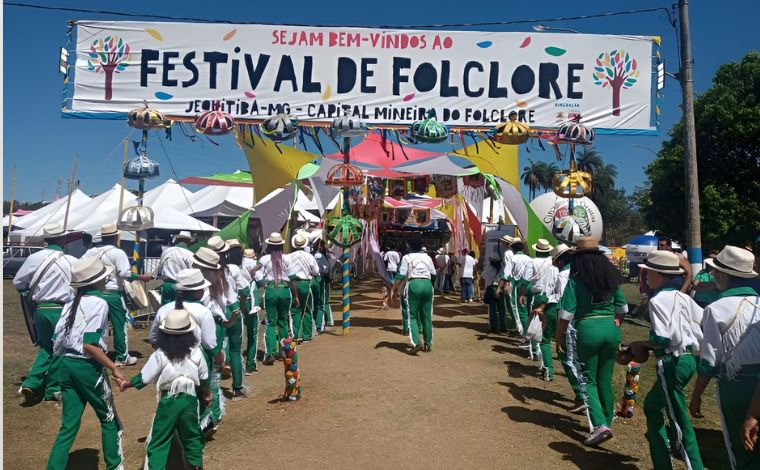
{"x": 602, "y": 434}
{"x": 129, "y": 361}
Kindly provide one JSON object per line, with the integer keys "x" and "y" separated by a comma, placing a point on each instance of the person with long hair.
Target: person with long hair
{"x": 592, "y": 300}
{"x": 279, "y": 293}
{"x": 320, "y": 285}
{"x": 234, "y": 286}
{"x": 178, "y": 368}
{"x": 302, "y": 270}
{"x": 248, "y": 266}
{"x": 725, "y": 349}
{"x": 415, "y": 271}
{"x": 80, "y": 343}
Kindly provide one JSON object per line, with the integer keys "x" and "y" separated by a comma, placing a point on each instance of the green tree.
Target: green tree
{"x": 728, "y": 160}
{"x": 531, "y": 176}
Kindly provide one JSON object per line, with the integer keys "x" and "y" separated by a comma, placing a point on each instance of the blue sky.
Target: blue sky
{"x": 42, "y": 144}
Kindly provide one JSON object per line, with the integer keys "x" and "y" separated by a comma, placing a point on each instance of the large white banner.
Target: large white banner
{"x": 392, "y": 77}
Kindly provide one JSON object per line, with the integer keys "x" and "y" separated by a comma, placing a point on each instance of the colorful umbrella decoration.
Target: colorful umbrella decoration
{"x": 344, "y": 174}
{"x": 214, "y": 123}
{"x": 575, "y": 133}
{"x": 572, "y": 183}
{"x": 141, "y": 167}
{"x": 146, "y": 119}
{"x": 429, "y": 130}
{"x": 512, "y": 132}
{"x": 348, "y": 126}
{"x": 344, "y": 231}
{"x": 280, "y": 127}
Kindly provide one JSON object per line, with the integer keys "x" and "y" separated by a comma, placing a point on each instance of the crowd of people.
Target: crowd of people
{"x": 707, "y": 325}
{"x": 208, "y": 327}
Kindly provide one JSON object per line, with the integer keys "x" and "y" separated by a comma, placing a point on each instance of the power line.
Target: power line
{"x": 665, "y": 9}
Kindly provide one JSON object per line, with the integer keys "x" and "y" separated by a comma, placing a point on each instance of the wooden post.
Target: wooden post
{"x": 13, "y": 197}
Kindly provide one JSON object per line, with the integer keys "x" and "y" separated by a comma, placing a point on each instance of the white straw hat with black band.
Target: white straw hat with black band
{"x": 191, "y": 279}
{"x": 299, "y": 241}
{"x": 663, "y": 262}
{"x": 206, "y": 258}
{"x": 217, "y": 244}
{"x": 542, "y": 245}
{"x": 275, "y": 239}
{"x": 53, "y": 230}
{"x": 108, "y": 230}
{"x": 88, "y": 271}
{"x": 177, "y": 322}
{"x": 559, "y": 250}
{"x": 735, "y": 261}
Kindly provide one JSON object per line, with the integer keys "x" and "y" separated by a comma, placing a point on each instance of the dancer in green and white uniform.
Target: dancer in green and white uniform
{"x": 80, "y": 342}
{"x": 248, "y": 266}
{"x": 416, "y": 271}
{"x": 173, "y": 260}
{"x": 302, "y": 269}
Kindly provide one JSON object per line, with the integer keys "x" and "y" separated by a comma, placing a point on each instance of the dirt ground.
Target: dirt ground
{"x": 474, "y": 402}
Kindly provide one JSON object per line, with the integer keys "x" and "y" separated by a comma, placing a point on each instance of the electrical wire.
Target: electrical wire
{"x": 418, "y": 26}
{"x": 176, "y": 177}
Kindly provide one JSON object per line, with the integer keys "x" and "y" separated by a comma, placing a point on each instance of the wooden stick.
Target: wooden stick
{"x": 13, "y": 195}
{"x": 121, "y": 194}
{"x": 71, "y": 190}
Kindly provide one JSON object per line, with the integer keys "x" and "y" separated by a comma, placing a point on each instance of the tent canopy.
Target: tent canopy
{"x": 53, "y": 212}
{"x": 218, "y": 201}
{"x": 167, "y": 194}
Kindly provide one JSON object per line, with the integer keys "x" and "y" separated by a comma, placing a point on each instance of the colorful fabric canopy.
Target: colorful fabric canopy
{"x": 237, "y": 178}
{"x": 493, "y": 158}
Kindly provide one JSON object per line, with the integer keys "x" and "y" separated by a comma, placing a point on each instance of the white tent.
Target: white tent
{"x": 168, "y": 194}
{"x": 217, "y": 201}
{"x": 54, "y": 212}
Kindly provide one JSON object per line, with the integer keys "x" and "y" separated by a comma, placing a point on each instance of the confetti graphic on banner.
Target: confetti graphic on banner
{"x": 163, "y": 95}
{"x": 156, "y": 35}
{"x": 555, "y": 51}
{"x": 525, "y": 43}
{"x": 229, "y": 35}
{"x": 409, "y": 97}
{"x": 485, "y": 44}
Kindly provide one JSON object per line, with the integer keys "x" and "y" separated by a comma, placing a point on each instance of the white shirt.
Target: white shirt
{"x": 302, "y": 265}
{"x": 544, "y": 276}
{"x": 416, "y": 265}
{"x": 323, "y": 262}
{"x": 54, "y": 286}
{"x": 90, "y": 324}
{"x": 522, "y": 267}
{"x": 509, "y": 264}
{"x": 392, "y": 259}
{"x": 175, "y": 376}
{"x": 266, "y": 273}
{"x": 246, "y": 267}
{"x": 112, "y": 256}
{"x": 559, "y": 286}
{"x": 675, "y": 317}
{"x": 205, "y": 334}
{"x": 236, "y": 273}
{"x": 441, "y": 261}
{"x": 468, "y": 265}
{"x": 724, "y": 324}
{"x": 173, "y": 260}
{"x": 747, "y": 352}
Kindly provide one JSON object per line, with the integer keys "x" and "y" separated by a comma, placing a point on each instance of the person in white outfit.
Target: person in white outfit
{"x": 173, "y": 260}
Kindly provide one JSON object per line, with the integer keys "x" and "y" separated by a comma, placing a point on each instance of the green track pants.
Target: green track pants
{"x": 117, "y": 314}
{"x": 252, "y": 331}
{"x": 667, "y": 394}
{"x": 213, "y": 414}
{"x": 277, "y": 306}
{"x": 734, "y": 397}
{"x": 303, "y": 315}
{"x": 43, "y": 373}
{"x": 83, "y": 381}
{"x": 168, "y": 294}
{"x": 598, "y": 342}
{"x": 318, "y": 294}
{"x": 420, "y": 307}
{"x": 497, "y": 310}
{"x": 234, "y": 353}
{"x": 550, "y": 327}
{"x": 176, "y": 413}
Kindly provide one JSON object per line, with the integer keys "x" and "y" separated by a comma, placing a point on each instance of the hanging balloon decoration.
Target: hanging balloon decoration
{"x": 280, "y": 127}
{"x": 348, "y": 127}
{"x": 214, "y": 122}
{"x": 344, "y": 174}
{"x": 572, "y": 184}
{"x": 512, "y": 132}
{"x": 146, "y": 119}
{"x": 428, "y": 131}
{"x": 575, "y": 133}
{"x": 141, "y": 167}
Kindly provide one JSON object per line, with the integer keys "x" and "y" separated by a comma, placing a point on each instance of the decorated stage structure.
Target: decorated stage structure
{"x": 410, "y": 129}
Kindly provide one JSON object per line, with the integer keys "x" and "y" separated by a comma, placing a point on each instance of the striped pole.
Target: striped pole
{"x": 346, "y": 290}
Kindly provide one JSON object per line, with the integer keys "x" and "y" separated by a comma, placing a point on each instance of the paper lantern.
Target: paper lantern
{"x": 512, "y": 132}
{"x": 280, "y": 127}
{"x": 214, "y": 123}
{"x": 572, "y": 183}
{"x": 429, "y": 130}
{"x": 575, "y": 133}
{"x": 344, "y": 231}
{"x": 146, "y": 119}
{"x": 140, "y": 168}
{"x": 344, "y": 174}
{"x": 348, "y": 126}
{"x": 135, "y": 218}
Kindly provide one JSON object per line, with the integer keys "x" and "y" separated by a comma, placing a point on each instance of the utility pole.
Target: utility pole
{"x": 694, "y": 234}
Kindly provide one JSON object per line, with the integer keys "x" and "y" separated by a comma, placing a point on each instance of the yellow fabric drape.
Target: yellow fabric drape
{"x": 495, "y": 159}
{"x": 270, "y": 168}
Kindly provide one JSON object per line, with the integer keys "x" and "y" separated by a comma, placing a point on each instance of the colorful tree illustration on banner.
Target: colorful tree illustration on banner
{"x": 617, "y": 70}
{"x": 108, "y": 55}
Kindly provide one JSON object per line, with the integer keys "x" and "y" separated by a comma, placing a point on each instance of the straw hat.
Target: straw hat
{"x": 662, "y": 262}
{"x": 206, "y": 258}
{"x": 234, "y": 242}
{"x": 516, "y": 240}
{"x": 507, "y": 239}
{"x": 275, "y": 239}
{"x": 734, "y": 261}
{"x": 559, "y": 250}
{"x": 183, "y": 235}
{"x": 53, "y": 230}
{"x": 587, "y": 244}
{"x": 542, "y": 246}
{"x": 298, "y": 241}
{"x": 249, "y": 253}
{"x": 191, "y": 279}
{"x": 441, "y": 251}
{"x": 108, "y": 230}
{"x": 88, "y": 271}
{"x": 177, "y": 322}
{"x": 217, "y": 244}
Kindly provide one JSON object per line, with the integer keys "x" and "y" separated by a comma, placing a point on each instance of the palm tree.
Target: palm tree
{"x": 548, "y": 170}
{"x": 531, "y": 176}
{"x": 604, "y": 181}
{"x": 590, "y": 160}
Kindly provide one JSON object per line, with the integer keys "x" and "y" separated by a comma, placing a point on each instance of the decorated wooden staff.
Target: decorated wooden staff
{"x": 292, "y": 374}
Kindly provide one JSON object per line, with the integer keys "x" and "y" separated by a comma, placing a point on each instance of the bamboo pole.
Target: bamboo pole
{"x": 13, "y": 197}
{"x": 123, "y": 182}
{"x": 346, "y": 256}
{"x": 71, "y": 191}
